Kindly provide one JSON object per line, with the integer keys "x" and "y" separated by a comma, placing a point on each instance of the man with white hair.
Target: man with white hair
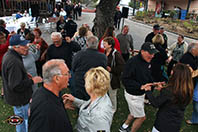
{"x": 62, "y": 49}
{"x": 47, "y": 112}
{"x": 190, "y": 58}
{"x": 17, "y": 84}
{"x": 82, "y": 62}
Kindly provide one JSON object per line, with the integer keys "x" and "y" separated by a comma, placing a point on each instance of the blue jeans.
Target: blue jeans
{"x": 195, "y": 112}
{"x": 22, "y": 111}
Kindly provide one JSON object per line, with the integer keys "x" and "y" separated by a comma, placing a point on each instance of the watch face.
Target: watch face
{"x": 32, "y": 48}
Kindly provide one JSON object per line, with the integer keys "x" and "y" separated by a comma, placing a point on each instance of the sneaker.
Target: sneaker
{"x": 121, "y": 129}
{"x": 146, "y": 102}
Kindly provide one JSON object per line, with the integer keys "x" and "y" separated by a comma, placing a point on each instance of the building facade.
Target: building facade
{"x": 170, "y": 4}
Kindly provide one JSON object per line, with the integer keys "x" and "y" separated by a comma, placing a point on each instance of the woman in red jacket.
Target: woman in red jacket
{"x": 108, "y": 33}
{"x": 3, "y": 49}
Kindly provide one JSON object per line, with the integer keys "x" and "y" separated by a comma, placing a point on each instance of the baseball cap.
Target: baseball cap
{"x": 18, "y": 40}
{"x": 161, "y": 27}
{"x": 148, "y": 46}
{"x": 156, "y": 27}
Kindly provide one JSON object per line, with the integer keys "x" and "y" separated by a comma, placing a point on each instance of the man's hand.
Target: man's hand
{"x": 37, "y": 79}
{"x": 146, "y": 87}
{"x": 159, "y": 85}
{"x": 169, "y": 59}
{"x": 68, "y": 39}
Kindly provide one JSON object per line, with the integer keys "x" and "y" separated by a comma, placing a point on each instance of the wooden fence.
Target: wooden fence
{"x": 8, "y": 7}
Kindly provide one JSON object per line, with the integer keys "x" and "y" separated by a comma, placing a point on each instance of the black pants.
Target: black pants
{"x": 125, "y": 57}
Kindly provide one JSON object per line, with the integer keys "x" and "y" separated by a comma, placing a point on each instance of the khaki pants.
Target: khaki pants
{"x": 113, "y": 97}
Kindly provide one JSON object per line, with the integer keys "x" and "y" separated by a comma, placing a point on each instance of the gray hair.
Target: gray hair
{"x": 51, "y": 68}
{"x": 92, "y": 42}
{"x": 56, "y": 34}
{"x": 192, "y": 46}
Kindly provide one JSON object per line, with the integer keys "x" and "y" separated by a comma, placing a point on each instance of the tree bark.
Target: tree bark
{"x": 105, "y": 12}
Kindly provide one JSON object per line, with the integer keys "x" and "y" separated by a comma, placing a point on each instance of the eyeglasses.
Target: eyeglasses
{"x": 66, "y": 74}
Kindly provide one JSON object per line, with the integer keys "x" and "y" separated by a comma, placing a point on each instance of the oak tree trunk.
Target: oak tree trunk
{"x": 105, "y": 12}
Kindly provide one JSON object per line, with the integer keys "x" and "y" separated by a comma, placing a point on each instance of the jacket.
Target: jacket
{"x": 2, "y": 29}
{"x": 82, "y": 62}
{"x": 126, "y": 43}
{"x": 136, "y": 73}
{"x": 17, "y": 85}
{"x": 96, "y": 116}
{"x": 158, "y": 60}
{"x": 169, "y": 115}
{"x": 26, "y": 31}
{"x": 65, "y": 52}
{"x": 3, "y": 49}
{"x": 116, "y": 62}
{"x": 149, "y": 37}
{"x": 173, "y": 46}
{"x": 71, "y": 28}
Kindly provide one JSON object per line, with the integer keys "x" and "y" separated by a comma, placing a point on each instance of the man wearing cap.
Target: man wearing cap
{"x": 161, "y": 31}
{"x": 137, "y": 75}
{"x": 150, "y": 36}
{"x": 17, "y": 84}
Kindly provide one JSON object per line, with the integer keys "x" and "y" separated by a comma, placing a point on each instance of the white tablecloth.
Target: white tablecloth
{"x": 13, "y": 24}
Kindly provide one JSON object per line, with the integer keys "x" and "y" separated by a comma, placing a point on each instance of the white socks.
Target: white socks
{"x": 125, "y": 126}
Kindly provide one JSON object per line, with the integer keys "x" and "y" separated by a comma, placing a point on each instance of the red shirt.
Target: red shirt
{"x": 3, "y": 49}
{"x": 101, "y": 46}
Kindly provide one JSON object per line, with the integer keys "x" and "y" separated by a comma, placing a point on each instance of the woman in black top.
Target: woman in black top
{"x": 60, "y": 24}
{"x": 173, "y": 99}
{"x": 159, "y": 59}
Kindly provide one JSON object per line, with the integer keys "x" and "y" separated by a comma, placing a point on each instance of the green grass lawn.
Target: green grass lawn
{"x": 119, "y": 117}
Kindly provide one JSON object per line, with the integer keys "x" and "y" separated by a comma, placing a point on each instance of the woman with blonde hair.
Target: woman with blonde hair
{"x": 173, "y": 99}
{"x": 159, "y": 59}
{"x": 95, "y": 114}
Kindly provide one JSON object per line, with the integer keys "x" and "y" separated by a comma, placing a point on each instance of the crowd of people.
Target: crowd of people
{"x": 93, "y": 70}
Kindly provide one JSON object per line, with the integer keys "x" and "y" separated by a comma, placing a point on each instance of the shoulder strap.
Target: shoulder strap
{"x": 113, "y": 62}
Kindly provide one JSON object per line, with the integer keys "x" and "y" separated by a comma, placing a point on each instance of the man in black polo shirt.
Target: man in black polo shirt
{"x": 63, "y": 49}
{"x": 47, "y": 112}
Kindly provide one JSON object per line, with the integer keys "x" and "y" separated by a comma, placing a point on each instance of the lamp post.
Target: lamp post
{"x": 188, "y": 6}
